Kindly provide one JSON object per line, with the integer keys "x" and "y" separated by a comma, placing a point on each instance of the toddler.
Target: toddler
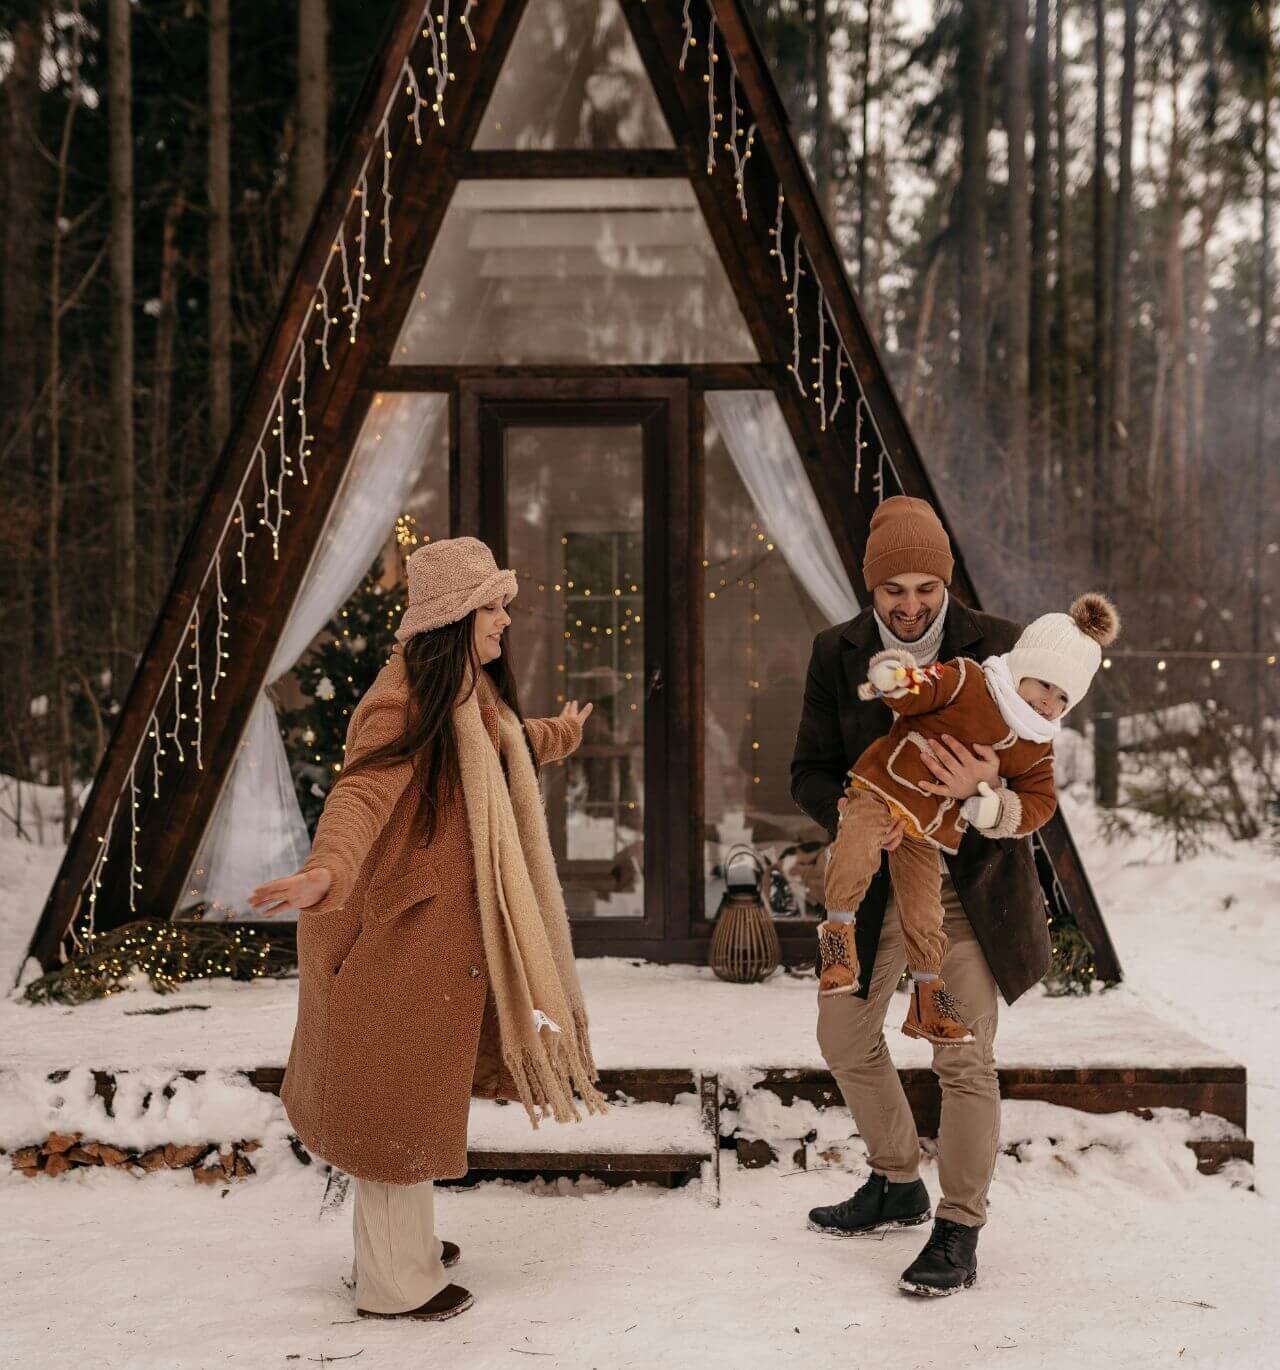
{"x": 1012, "y": 703}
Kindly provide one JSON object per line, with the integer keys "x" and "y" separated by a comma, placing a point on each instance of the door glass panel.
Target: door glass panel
{"x": 598, "y": 271}
{"x": 574, "y": 78}
{"x": 575, "y": 528}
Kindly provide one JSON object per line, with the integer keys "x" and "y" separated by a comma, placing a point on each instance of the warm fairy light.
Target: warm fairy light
{"x": 280, "y": 452}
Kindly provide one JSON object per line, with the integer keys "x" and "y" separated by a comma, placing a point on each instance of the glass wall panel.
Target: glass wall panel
{"x": 575, "y": 524}
{"x": 760, "y": 618}
{"x": 394, "y": 494}
{"x": 573, "y": 79}
{"x": 595, "y": 271}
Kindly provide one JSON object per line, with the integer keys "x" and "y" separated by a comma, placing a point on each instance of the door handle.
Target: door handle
{"x": 655, "y": 682}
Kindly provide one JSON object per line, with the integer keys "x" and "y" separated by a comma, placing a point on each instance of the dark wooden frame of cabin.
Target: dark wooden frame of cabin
{"x": 423, "y": 186}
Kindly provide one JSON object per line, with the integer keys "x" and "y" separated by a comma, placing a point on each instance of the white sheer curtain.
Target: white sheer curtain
{"x": 760, "y": 447}
{"x": 257, "y": 830}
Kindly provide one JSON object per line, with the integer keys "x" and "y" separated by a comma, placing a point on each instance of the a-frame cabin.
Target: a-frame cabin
{"x": 571, "y": 261}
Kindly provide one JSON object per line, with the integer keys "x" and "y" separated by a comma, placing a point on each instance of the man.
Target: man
{"x": 997, "y": 937}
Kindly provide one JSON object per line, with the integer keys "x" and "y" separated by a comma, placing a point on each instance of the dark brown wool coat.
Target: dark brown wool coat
{"x": 396, "y": 1029}
{"x": 995, "y": 877}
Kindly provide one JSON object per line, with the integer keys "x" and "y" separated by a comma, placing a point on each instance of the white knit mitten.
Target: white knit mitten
{"x": 888, "y": 675}
{"x": 982, "y": 809}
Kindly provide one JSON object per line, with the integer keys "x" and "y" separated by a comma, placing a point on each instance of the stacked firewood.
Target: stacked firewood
{"x": 209, "y": 1162}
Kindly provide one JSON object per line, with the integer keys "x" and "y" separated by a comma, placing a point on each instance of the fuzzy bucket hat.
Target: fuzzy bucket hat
{"x": 1066, "y": 649}
{"x": 447, "y": 580}
{"x": 906, "y": 538}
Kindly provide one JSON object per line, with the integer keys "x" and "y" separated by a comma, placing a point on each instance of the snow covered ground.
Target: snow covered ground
{"x": 1103, "y": 1242}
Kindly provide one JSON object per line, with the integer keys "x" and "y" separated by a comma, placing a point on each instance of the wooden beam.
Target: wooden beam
{"x": 186, "y": 796}
{"x": 698, "y": 375}
{"x": 571, "y": 164}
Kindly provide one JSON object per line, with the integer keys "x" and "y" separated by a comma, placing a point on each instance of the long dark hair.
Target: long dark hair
{"x": 439, "y": 663}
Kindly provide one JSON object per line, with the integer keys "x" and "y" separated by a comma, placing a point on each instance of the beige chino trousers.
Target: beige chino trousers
{"x": 397, "y": 1253}
{"x": 851, "y": 1037}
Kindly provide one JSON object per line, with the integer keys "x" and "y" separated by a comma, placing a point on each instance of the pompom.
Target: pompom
{"x": 1096, "y": 617}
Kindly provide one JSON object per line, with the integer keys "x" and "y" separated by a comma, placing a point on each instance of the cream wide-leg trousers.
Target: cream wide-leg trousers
{"x": 397, "y": 1253}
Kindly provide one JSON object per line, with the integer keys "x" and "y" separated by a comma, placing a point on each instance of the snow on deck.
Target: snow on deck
{"x": 641, "y": 1015}
{"x": 632, "y": 1127}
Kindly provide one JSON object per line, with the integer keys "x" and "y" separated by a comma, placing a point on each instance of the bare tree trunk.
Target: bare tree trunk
{"x": 24, "y": 174}
{"x": 1175, "y": 298}
{"x": 864, "y": 161}
{"x": 822, "y": 172}
{"x": 309, "y": 159}
{"x": 1100, "y": 501}
{"x": 928, "y": 295}
{"x": 971, "y": 291}
{"x": 124, "y": 548}
{"x": 1257, "y": 732}
{"x": 161, "y": 403}
{"x": 1038, "y": 344}
{"x": 57, "y": 642}
{"x": 219, "y": 224}
{"x": 1068, "y": 444}
{"x": 1121, "y": 329}
{"x": 1017, "y": 304}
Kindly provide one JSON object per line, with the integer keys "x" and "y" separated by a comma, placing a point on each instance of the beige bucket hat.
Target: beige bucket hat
{"x": 447, "y": 580}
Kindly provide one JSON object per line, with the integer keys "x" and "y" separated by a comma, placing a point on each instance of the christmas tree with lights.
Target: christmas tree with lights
{"x": 336, "y": 673}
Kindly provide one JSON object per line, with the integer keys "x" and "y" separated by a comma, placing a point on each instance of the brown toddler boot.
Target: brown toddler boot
{"x": 934, "y": 1015}
{"x": 839, "y": 959}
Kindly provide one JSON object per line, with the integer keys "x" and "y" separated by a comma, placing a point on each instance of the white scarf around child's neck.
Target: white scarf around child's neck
{"x": 1017, "y": 713}
{"x": 924, "y": 650}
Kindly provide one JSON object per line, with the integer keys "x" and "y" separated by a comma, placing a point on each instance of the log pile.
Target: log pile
{"x": 209, "y": 1162}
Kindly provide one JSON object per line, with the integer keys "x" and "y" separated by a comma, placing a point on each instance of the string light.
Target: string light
{"x": 348, "y": 278}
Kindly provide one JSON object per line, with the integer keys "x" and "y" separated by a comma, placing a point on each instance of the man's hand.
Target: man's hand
{"x": 957, "y": 770}
{"x": 298, "y": 891}
{"x": 892, "y": 839}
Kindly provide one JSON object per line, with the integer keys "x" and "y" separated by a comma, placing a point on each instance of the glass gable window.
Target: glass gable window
{"x": 573, "y": 79}
{"x": 596, "y": 271}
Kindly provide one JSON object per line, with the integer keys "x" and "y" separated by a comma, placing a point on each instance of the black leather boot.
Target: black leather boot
{"x": 878, "y": 1205}
{"x": 948, "y": 1262}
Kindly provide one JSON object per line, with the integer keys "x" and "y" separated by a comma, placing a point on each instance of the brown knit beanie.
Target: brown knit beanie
{"x": 907, "y": 538}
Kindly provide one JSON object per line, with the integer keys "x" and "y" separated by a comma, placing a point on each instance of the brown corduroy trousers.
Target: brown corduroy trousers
{"x": 853, "y": 860}
{"x": 851, "y": 1036}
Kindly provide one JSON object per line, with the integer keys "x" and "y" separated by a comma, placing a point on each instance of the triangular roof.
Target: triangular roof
{"x": 416, "y": 131}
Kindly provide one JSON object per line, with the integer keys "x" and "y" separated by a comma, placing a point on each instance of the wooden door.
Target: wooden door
{"x": 582, "y": 487}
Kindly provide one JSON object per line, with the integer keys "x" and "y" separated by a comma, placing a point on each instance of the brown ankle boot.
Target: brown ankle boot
{"x": 934, "y": 1016}
{"x": 839, "y": 959}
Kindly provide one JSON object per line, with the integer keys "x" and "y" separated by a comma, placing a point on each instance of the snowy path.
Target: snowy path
{"x": 1120, "y": 1253}
{"x": 1104, "y": 1255}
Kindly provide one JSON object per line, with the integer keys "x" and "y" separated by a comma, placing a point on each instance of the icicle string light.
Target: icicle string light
{"x": 829, "y": 378}
{"x": 710, "y": 79}
{"x": 343, "y": 275}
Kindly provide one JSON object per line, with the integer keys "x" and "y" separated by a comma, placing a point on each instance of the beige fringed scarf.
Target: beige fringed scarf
{"x": 541, "y": 1015}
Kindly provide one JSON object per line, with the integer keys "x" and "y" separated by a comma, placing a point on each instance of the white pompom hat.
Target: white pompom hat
{"x": 1066, "y": 649}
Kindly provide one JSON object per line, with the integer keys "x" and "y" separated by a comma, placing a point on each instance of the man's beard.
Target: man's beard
{"x": 910, "y": 628}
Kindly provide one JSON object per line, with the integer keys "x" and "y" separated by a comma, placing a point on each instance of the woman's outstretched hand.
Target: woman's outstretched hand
{"x": 298, "y": 891}
{"x": 576, "y": 715}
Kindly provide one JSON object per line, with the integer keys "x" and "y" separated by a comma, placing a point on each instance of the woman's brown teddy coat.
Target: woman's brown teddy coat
{"x": 396, "y": 1030}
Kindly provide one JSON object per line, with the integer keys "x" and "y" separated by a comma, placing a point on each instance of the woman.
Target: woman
{"x": 434, "y": 954}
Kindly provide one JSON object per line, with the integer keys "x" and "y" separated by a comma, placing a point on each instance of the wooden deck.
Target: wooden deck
{"x": 617, "y": 1150}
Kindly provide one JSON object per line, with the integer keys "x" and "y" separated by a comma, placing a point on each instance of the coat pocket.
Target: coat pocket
{"x": 390, "y": 898}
